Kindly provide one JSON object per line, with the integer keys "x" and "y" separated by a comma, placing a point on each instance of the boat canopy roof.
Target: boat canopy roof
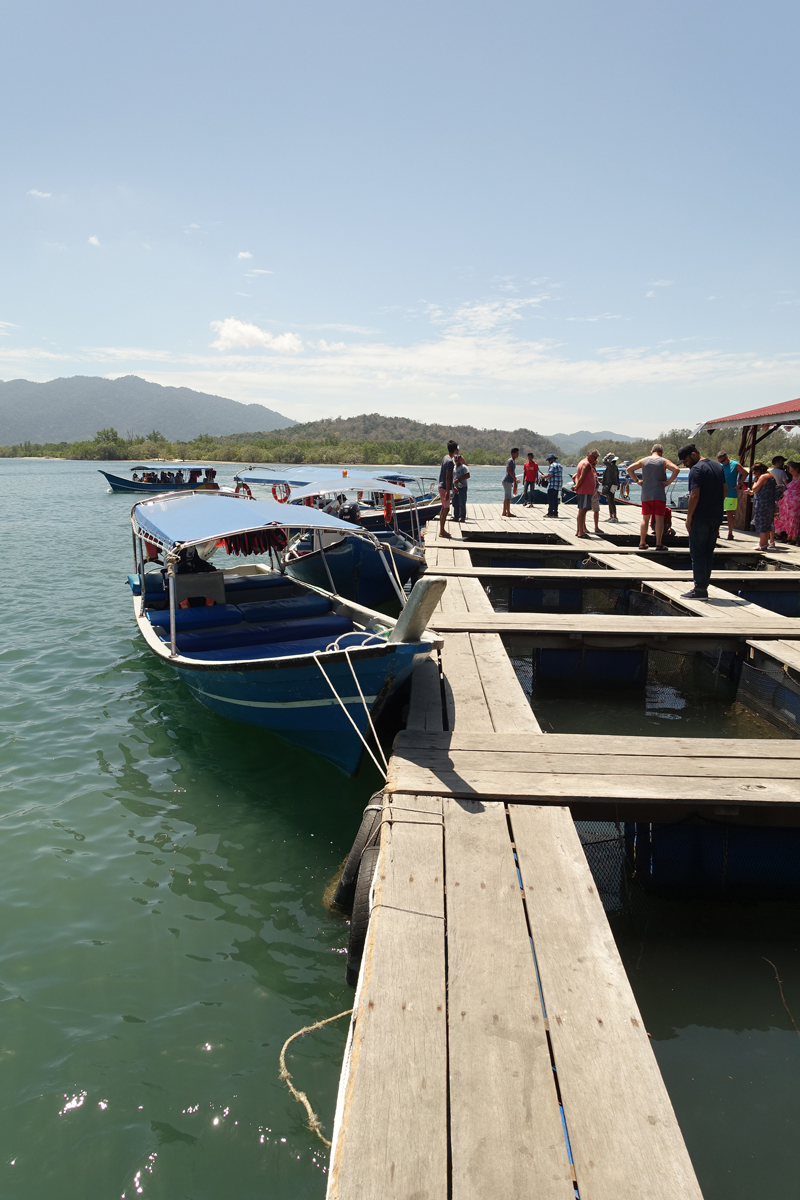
{"x": 173, "y": 466}
{"x": 334, "y": 484}
{"x": 187, "y": 520}
{"x": 301, "y": 475}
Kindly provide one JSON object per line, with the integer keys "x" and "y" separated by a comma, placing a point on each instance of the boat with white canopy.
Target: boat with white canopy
{"x": 406, "y": 507}
{"x": 257, "y": 646}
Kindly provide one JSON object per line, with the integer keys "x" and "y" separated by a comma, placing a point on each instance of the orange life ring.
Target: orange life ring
{"x": 388, "y": 507}
{"x": 281, "y": 492}
{"x": 241, "y": 486}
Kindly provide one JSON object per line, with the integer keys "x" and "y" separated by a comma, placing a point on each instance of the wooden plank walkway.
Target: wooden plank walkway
{"x": 496, "y": 1049}
{"x": 737, "y": 622}
{"x": 554, "y": 768}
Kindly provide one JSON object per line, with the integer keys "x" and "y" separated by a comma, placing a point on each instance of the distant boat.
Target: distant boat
{"x": 257, "y": 646}
{"x": 148, "y": 479}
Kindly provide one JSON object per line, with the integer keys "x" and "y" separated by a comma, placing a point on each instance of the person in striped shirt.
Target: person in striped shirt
{"x": 554, "y": 480}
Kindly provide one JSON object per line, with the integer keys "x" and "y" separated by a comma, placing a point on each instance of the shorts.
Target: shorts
{"x": 730, "y": 503}
{"x": 585, "y": 501}
{"x": 596, "y": 502}
{"x": 508, "y": 488}
{"x": 445, "y": 499}
{"x": 654, "y": 508}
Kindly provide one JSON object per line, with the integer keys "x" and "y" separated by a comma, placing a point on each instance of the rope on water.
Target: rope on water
{"x": 285, "y": 1077}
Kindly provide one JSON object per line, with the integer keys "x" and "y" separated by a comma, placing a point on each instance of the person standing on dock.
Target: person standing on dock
{"x": 554, "y": 480}
{"x": 611, "y": 485}
{"x": 765, "y": 493}
{"x": 510, "y": 482}
{"x": 585, "y": 488}
{"x": 460, "y": 477}
{"x": 734, "y": 474}
{"x": 530, "y": 473}
{"x": 446, "y": 485}
{"x": 707, "y": 491}
{"x": 654, "y": 484}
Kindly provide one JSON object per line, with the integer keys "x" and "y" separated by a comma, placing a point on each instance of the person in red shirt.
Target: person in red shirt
{"x": 585, "y": 486}
{"x": 530, "y": 474}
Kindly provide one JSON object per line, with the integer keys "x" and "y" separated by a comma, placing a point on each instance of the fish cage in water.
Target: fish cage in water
{"x": 636, "y": 864}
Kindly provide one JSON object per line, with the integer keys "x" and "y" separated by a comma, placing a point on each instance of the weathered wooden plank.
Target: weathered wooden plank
{"x": 467, "y": 708}
{"x": 474, "y": 540}
{"x": 390, "y": 1134}
{"x": 785, "y": 651}
{"x": 508, "y": 705}
{"x": 578, "y": 743}
{"x": 475, "y": 596}
{"x": 719, "y": 603}
{"x": 558, "y": 788}
{"x": 625, "y": 1139}
{"x": 506, "y": 1134}
{"x": 425, "y": 705}
{"x": 623, "y": 574}
{"x": 469, "y": 762}
{"x": 744, "y": 624}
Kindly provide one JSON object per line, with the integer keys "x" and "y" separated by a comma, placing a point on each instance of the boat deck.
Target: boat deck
{"x": 496, "y": 1049}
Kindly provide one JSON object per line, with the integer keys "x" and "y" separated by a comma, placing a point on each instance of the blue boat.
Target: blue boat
{"x": 370, "y": 571}
{"x": 257, "y": 646}
{"x": 352, "y": 567}
{"x": 156, "y": 479}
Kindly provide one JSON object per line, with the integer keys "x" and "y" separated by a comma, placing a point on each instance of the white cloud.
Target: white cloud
{"x": 40, "y": 195}
{"x": 256, "y": 271}
{"x": 193, "y": 228}
{"x": 244, "y": 254}
{"x": 5, "y": 326}
{"x": 483, "y": 316}
{"x": 599, "y": 317}
{"x": 239, "y": 335}
{"x": 94, "y": 241}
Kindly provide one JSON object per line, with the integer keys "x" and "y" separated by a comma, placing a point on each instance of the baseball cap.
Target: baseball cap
{"x": 551, "y": 458}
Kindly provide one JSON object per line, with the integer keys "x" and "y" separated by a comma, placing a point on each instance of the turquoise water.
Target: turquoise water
{"x": 162, "y": 879}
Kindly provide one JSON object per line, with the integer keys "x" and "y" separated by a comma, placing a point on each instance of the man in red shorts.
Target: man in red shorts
{"x": 654, "y": 484}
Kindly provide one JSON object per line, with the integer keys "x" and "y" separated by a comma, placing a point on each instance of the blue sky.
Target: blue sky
{"x": 559, "y": 215}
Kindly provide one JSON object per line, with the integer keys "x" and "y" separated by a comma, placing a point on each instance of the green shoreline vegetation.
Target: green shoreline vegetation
{"x": 413, "y": 444}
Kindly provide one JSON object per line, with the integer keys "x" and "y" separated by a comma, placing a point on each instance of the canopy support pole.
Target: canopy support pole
{"x": 171, "y": 579}
{"x": 327, "y": 568}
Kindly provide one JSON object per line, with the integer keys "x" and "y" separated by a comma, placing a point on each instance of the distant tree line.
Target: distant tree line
{"x": 318, "y": 442}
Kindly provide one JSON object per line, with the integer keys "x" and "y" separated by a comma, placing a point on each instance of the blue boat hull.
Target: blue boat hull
{"x": 357, "y": 571}
{"x": 296, "y": 703}
{"x": 118, "y": 484}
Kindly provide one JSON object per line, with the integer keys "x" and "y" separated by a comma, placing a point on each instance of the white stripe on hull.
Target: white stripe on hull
{"x": 285, "y": 703}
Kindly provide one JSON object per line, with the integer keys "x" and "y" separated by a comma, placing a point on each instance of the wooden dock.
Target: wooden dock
{"x": 496, "y": 1050}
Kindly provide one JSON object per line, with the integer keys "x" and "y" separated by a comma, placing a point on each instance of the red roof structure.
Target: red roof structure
{"x": 780, "y": 414}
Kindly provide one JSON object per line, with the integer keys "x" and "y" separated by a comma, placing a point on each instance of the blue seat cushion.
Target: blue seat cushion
{"x": 293, "y": 607}
{"x": 246, "y": 583}
{"x": 328, "y": 627}
{"x": 273, "y": 650}
{"x": 207, "y": 616}
{"x": 153, "y": 583}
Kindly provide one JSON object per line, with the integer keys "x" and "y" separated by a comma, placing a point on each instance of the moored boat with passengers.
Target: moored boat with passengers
{"x": 416, "y": 503}
{"x": 155, "y": 479}
{"x": 257, "y": 646}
